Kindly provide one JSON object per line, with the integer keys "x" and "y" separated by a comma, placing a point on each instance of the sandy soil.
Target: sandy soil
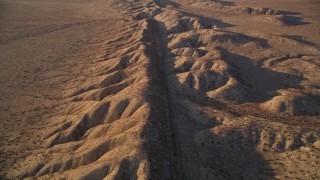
{"x": 142, "y": 89}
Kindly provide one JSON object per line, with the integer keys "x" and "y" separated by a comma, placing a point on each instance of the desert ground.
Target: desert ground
{"x": 160, "y": 89}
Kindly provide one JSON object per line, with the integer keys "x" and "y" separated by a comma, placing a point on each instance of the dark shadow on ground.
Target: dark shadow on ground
{"x": 173, "y": 4}
{"x": 293, "y": 21}
{"x": 235, "y": 155}
{"x": 301, "y": 40}
{"x": 288, "y": 13}
{"x": 157, "y": 133}
{"x": 298, "y": 111}
{"x": 225, "y": 3}
{"x": 261, "y": 81}
{"x": 127, "y": 170}
{"x": 217, "y": 22}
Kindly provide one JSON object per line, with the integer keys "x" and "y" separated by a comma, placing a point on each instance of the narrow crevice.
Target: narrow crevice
{"x": 159, "y": 49}
{"x": 162, "y": 41}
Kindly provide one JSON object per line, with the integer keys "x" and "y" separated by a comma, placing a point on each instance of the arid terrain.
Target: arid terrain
{"x": 160, "y": 89}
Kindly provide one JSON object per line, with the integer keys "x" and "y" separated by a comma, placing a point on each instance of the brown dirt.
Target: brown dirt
{"x": 183, "y": 89}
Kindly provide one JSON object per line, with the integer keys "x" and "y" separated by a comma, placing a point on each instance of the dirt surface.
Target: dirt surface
{"x": 143, "y": 89}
